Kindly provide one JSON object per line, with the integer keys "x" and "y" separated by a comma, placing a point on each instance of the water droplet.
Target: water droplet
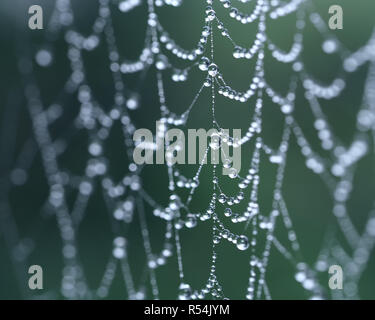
{"x": 237, "y": 52}
{"x": 300, "y": 276}
{"x": 276, "y": 158}
{"x": 227, "y": 163}
{"x": 152, "y": 263}
{"x": 184, "y": 291}
{"x": 232, "y": 173}
{"x": 287, "y": 108}
{"x": 133, "y": 102}
{"x": 228, "y": 212}
{"x": 216, "y": 239}
{"x": 242, "y": 243}
{"x": 215, "y": 141}
{"x": 167, "y": 251}
{"x": 204, "y": 63}
{"x": 179, "y": 224}
{"x": 212, "y": 70}
{"x": 44, "y": 58}
{"x": 207, "y": 82}
{"x": 210, "y": 15}
{"x": 119, "y": 242}
{"x": 329, "y": 46}
{"x": 191, "y": 221}
{"x": 95, "y": 149}
{"x": 222, "y": 198}
{"x": 119, "y": 253}
{"x": 162, "y": 62}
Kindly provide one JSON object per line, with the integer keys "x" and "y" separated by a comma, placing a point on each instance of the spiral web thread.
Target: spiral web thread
{"x": 336, "y": 170}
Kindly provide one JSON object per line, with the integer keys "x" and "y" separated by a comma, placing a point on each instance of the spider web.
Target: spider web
{"x": 128, "y": 201}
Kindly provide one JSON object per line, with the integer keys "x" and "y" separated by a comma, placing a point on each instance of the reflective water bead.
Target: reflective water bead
{"x": 242, "y": 185}
{"x": 212, "y": 70}
{"x": 204, "y": 63}
{"x": 230, "y": 201}
{"x": 183, "y": 76}
{"x": 222, "y": 198}
{"x": 200, "y": 49}
{"x": 152, "y": 20}
{"x": 119, "y": 214}
{"x": 191, "y": 221}
{"x": 216, "y": 239}
{"x": 95, "y": 149}
{"x": 210, "y": 209}
{"x": 184, "y": 291}
{"x": 237, "y": 52}
{"x": 161, "y": 261}
{"x": 227, "y": 163}
{"x": 152, "y": 263}
{"x": 228, "y": 212}
{"x": 225, "y": 234}
{"x": 242, "y": 242}
{"x": 206, "y": 31}
{"x": 215, "y": 141}
{"x": 194, "y": 184}
{"x": 178, "y": 224}
{"x": 232, "y": 238}
{"x": 287, "y": 108}
{"x": 176, "y": 76}
{"x": 233, "y": 12}
{"x": 210, "y": 15}
{"x": 126, "y": 6}
{"x": 161, "y": 62}
{"x": 119, "y": 250}
{"x": 174, "y": 201}
{"x": 276, "y": 158}
{"x": 226, "y": 4}
{"x": 235, "y": 218}
{"x": 167, "y": 251}
{"x": 329, "y": 46}
{"x": 207, "y": 82}
{"x": 118, "y": 253}
{"x": 91, "y": 42}
{"x": 44, "y": 58}
{"x": 224, "y": 32}
{"x": 205, "y": 216}
{"x": 233, "y": 173}
{"x": 119, "y": 242}
{"x": 135, "y": 184}
{"x": 133, "y": 102}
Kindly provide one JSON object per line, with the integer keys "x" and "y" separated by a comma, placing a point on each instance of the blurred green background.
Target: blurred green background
{"x": 308, "y": 199}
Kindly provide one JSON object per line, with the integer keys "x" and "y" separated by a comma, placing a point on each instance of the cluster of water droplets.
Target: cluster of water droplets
{"x": 128, "y": 194}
